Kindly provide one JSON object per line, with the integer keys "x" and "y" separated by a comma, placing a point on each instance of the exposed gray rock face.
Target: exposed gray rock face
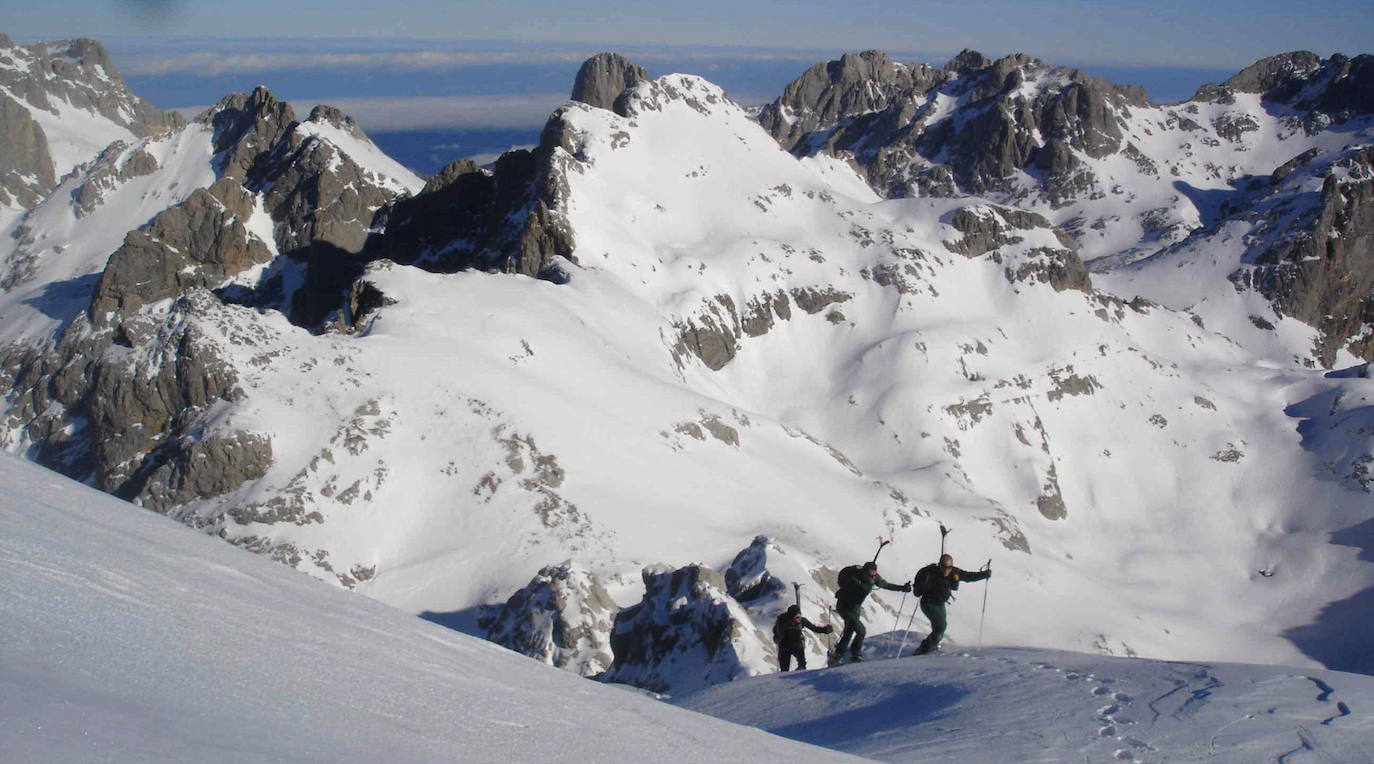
{"x": 856, "y": 84}
{"x": 989, "y": 227}
{"x": 129, "y": 420}
{"x": 508, "y": 220}
{"x": 198, "y": 243}
{"x": 887, "y": 117}
{"x": 714, "y": 333}
{"x": 247, "y": 128}
{"x": 748, "y": 578}
{"x": 119, "y": 399}
{"x": 603, "y": 78}
{"x": 198, "y": 469}
{"x": 685, "y": 634}
{"x": 26, "y": 169}
{"x": 1320, "y": 267}
{"x": 323, "y": 204}
{"x": 562, "y": 618}
{"x": 1339, "y": 87}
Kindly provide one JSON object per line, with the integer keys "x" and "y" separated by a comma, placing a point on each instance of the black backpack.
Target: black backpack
{"x": 850, "y": 581}
{"x": 925, "y": 579}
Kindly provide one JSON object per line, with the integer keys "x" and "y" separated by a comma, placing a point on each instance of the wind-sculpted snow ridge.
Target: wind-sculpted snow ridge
{"x": 1007, "y": 704}
{"x": 129, "y": 638}
{"x": 657, "y": 336}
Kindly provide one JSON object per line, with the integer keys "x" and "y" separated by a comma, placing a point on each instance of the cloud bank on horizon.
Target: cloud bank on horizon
{"x": 1221, "y": 33}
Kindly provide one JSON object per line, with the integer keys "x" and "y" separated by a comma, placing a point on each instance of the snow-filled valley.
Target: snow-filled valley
{"x": 605, "y": 402}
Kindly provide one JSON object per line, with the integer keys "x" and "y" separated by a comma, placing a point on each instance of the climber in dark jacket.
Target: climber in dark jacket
{"x": 856, "y": 583}
{"x": 787, "y": 635}
{"x": 934, "y": 584}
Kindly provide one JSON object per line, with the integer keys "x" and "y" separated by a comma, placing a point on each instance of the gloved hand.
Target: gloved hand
{"x": 907, "y": 587}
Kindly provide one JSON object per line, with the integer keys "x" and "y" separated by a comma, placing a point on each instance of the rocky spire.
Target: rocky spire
{"x": 856, "y": 83}
{"x": 603, "y": 77}
{"x": 246, "y": 126}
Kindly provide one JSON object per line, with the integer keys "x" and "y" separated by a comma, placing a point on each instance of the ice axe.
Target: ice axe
{"x": 796, "y": 589}
{"x": 943, "y": 532}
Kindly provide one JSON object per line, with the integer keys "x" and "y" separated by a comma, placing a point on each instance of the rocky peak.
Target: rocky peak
{"x": 1276, "y": 75}
{"x": 332, "y": 116}
{"x": 508, "y": 220}
{"x": 80, "y": 73}
{"x": 686, "y": 633}
{"x": 1339, "y": 87}
{"x": 77, "y": 74}
{"x": 198, "y": 243}
{"x": 968, "y": 62}
{"x": 563, "y": 617}
{"x": 854, "y": 84}
{"x": 246, "y": 126}
{"x": 604, "y": 77}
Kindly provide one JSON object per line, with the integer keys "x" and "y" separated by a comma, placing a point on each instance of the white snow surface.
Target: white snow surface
{"x": 130, "y": 638}
{"x": 1013, "y": 704}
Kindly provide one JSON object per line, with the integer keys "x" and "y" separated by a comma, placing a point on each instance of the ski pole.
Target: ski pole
{"x": 897, "y": 624}
{"x": 907, "y": 631}
{"x": 983, "y": 617}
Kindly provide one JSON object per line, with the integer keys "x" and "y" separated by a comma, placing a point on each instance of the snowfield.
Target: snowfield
{"x": 128, "y": 637}
{"x": 131, "y": 638}
{"x": 1014, "y": 704}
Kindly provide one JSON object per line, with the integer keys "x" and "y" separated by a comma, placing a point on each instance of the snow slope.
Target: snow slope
{"x": 130, "y": 638}
{"x": 1010, "y": 704}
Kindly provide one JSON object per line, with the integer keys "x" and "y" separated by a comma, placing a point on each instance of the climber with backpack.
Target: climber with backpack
{"x": 856, "y": 582}
{"x": 934, "y": 585}
{"x": 787, "y": 635}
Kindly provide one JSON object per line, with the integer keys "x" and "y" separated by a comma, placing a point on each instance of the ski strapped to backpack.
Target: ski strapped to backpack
{"x": 882, "y": 542}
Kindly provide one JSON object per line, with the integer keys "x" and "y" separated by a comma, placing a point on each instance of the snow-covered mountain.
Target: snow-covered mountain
{"x": 61, "y": 103}
{"x": 558, "y": 402}
{"x": 1126, "y": 178}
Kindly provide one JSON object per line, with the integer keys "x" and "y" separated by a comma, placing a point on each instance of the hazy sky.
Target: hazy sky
{"x": 1197, "y": 33}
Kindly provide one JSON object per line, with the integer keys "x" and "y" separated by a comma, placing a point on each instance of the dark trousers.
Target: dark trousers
{"x": 853, "y": 629}
{"x": 935, "y": 611}
{"x": 786, "y": 654}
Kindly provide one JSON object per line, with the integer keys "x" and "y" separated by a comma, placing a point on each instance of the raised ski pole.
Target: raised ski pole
{"x": 983, "y": 617}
